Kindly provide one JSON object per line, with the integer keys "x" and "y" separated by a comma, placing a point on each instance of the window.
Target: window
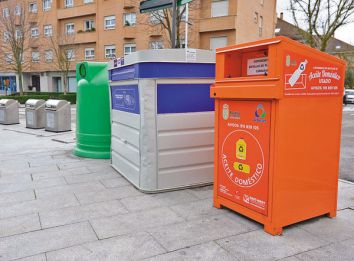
{"x": 68, "y": 3}
{"x": 110, "y": 22}
{"x": 260, "y": 28}
{"x": 35, "y": 56}
{"x": 110, "y": 51}
{"x": 48, "y": 55}
{"x": 219, "y": 8}
{"x": 70, "y": 28}
{"x": 33, "y": 8}
{"x": 89, "y": 53}
{"x": 17, "y": 10}
{"x": 18, "y": 34}
{"x": 156, "y": 45}
{"x": 5, "y": 12}
{"x": 8, "y": 57}
{"x": 129, "y": 48}
{"x": 6, "y": 36}
{"x": 182, "y": 43}
{"x": 184, "y": 14}
{"x": 48, "y": 30}
{"x": 217, "y": 42}
{"x": 129, "y": 19}
{"x": 89, "y": 25}
{"x": 47, "y": 5}
{"x": 88, "y": 1}
{"x": 34, "y": 32}
{"x": 156, "y": 17}
{"x": 70, "y": 54}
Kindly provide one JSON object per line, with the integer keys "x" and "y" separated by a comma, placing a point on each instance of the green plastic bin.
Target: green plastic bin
{"x": 93, "y": 126}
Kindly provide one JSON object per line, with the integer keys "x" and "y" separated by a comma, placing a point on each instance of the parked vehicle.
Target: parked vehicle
{"x": 349, "y": 96}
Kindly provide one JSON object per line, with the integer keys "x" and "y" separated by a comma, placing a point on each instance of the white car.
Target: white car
{"x": 349, "y": 96}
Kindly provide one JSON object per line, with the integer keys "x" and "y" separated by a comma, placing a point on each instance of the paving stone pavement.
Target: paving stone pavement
{"x": 55, "y": 206}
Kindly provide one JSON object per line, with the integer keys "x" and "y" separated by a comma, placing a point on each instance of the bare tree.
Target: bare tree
{"x": 321, "y": 19}
{"x": 161, "y": 21}
{"x": 15, "y": 29}
{"x": 64, "y": 49}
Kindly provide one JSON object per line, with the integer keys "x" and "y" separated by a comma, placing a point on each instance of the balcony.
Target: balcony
{"x": 79, "y": 38}
{"x": 155, "y": 31}
{"x": 129, "y": 4}
{"x": 217, "y": 24}
{"x": 129, "y": 32}
{"x": 76, "y": 11}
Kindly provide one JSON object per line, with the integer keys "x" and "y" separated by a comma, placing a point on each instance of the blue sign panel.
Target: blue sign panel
{"x": 163, "y": 70}
{"x": 182, "y": 98}
{"x": 125, "y": 98}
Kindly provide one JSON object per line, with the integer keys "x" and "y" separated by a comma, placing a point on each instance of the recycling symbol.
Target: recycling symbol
{"x": 240, "y": 149}
{"x": 240, "y": 167}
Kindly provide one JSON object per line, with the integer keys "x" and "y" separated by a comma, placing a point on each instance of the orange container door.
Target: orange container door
{"x": 244, "y": 138}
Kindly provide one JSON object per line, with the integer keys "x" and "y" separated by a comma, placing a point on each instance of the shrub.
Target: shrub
{"x": 70, "y": 97}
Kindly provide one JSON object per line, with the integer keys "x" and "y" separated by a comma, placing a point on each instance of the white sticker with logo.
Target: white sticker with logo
{"x": 50, "y": 119}
{"x": 30, "y": 117}
{"x": 191, "y": 55}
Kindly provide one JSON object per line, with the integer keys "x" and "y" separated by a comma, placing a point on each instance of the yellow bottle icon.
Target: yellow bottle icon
{"x": 241, "y": 149}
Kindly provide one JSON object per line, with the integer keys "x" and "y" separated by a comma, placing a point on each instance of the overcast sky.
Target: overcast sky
{"x": 344, "y": 33}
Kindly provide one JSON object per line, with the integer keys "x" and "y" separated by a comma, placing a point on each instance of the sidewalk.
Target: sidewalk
{"x": 55, "y": 206}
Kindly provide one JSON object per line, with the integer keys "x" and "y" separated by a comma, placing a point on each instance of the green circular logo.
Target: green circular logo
{"x": 82, "y": 70}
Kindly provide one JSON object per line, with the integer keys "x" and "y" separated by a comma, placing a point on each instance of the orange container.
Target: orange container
{"x": 278, "y": 114}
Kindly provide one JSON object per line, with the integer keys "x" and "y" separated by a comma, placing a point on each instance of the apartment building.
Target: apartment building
{"x": 99, "y": 30}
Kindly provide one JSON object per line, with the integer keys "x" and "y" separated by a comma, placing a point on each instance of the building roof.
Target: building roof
{"x": 335, "y": 46}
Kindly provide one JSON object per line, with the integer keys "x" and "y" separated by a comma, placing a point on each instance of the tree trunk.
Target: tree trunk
{"x": 20, "y": 82}
{"x": 65, "y": 83}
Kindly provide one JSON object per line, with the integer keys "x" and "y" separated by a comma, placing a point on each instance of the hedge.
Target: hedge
{"x": 70, "y": 97}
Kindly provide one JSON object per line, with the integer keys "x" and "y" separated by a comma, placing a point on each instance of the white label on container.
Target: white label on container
{"x": 191, "y": 55}
{"x": 2, "y": 115}
{"x": 30, "y": 117}
{"x": 50, "y": 119}
{"x": 257, "y": 66}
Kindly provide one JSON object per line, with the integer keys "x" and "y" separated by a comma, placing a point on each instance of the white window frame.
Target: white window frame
{"x": 5, "y": 12}
{"x": 48, "y": 56}
{"x": 6, "y": 36}
{"x": 69, "y": 32}
{"x": 130, "y": 46}
{"x": 35, "y": 32}
{"x": 70, "y": 57}
{"x": 68, "y": 3}
{"x": 129, "y": 19}
{"x": 110, "y": 55}
{"x": 219, "y": 8}
{"x": 48, "y": 30}
{"x": 18, "y": 34}
{"x": 35, "y": 56}
{"x": 92, "y": 24}
{"x": 112, "y": 25}
{"x": 88, "y": 1}
{"x": 155, "y": 45}
{"x": 47, "y": 5}
{"x": 33, "y": 8}
{"x": 17, "y": 10}
{"x": 89, "y": 53}
{"x": 9, "y": 58}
